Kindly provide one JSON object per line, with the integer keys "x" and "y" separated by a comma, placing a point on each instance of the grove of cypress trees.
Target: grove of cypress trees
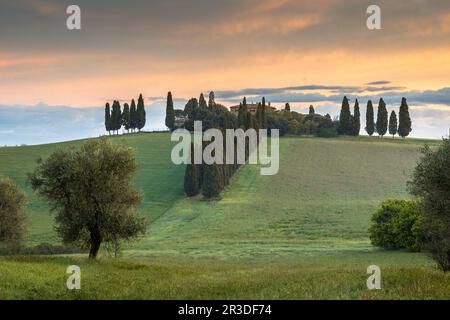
{"x": 393, "y": 124}
{"x": 108, "y": 118}
{"x": 133, "y": 116}
{"x": 405, "y": 125}
{"x": 356, "y": 119}
{"x": 141, "y": 116}
{"x": 170, "y": 113}
{"x": 345, "y": 118}
{"x": 126, "y": 117}
{"x": 382, "y": 118}
{"x": 370, "y": 123}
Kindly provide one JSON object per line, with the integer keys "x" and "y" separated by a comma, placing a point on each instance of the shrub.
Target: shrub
{"x": 397, "y": 224}
{"x": 327, "y": 132}
{"x": 12, "y": 216}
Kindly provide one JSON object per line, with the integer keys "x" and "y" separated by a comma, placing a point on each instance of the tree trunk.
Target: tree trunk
{"x": 96, "y": 241}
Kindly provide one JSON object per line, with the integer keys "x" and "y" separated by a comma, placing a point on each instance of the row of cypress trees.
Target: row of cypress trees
{"x": 131, "y": 117}
{"x": 210, "y": 180}
{"x": 350, "y": 124}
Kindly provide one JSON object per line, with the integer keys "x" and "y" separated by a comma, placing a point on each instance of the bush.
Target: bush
{"x": 12, "y": 216}
{"x": 397, "y": 224}
{"x": 327, "y": 132}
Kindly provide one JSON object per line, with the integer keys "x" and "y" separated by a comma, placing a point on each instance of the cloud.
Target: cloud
{"x": 301, "y": 94}
{"x": 376, "y": 83}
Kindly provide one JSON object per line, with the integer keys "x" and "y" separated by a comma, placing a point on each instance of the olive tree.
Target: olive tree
{"x": 12, "y": 216}
{"x": 91, "y": 190}
{"x": 431, "y": 182}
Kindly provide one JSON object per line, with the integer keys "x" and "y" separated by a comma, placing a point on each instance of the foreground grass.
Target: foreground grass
{"x": 404, "y": 276}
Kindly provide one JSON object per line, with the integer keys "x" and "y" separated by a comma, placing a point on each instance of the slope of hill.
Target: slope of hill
{"x": 321, "y": 200}
{"x": 158, "y": 177}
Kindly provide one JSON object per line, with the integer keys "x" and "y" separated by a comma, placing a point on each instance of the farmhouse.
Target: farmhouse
{"x": 250, "y": 107}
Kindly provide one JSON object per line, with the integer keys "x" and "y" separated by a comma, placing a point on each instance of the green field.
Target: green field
{"x": 299, "y": 234}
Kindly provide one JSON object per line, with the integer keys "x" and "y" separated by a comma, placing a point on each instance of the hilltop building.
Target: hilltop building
{"x": 252, "y": 107}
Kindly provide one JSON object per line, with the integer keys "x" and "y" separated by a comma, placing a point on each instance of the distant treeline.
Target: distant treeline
{"x": 130, "y": 118}
{"x": 291, "y": 122}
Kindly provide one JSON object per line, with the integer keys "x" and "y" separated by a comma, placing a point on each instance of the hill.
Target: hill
{"x": 299, "y": 234}
{"x": 321, "y": 199}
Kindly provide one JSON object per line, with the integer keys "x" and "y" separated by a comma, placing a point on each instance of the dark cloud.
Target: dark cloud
{"x": 185, "y": 28}
{"x": 392, "y": 94}
{"x": 376, "y": 83}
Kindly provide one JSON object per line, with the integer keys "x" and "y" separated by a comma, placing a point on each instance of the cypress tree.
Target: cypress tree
{"x": 126, "y": 118}
{"x": 287, "y": 107}
{"x": 141, "y": 113}
{"x": 170, "y": 113}
{"x": 263, "y": 114}
{"x": 393, "y": 124}
{"x": 202, "y": 102}
{"x": 370, "y": 123}
{"x": 108, "y": 118}
{"x": 405, "y": 125}
{"x": 345, "y": 119}
{"x": 242, "y": 115}
{"x": 212, "y": 100}
{"x": 116, "y": 117}
{"x": 211, "y": 185}
{"x": 259, "y": 117}
{"x": 133, "y": 116}
{"x": 356, "y": 119}
{"x": 382, "y": 118}
{"x": 248, "y": 121}
{"x": 118, "y": 120}
{"x": 311, "y": 110}
{"x": 113, "y": 117}
{"x": 192, "y": 177}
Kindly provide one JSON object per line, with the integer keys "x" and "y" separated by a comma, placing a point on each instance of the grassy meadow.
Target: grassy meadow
{"x": 301, "y": 234}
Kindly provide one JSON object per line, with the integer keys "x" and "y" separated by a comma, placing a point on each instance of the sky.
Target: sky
{"x": 301, "y": 52}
